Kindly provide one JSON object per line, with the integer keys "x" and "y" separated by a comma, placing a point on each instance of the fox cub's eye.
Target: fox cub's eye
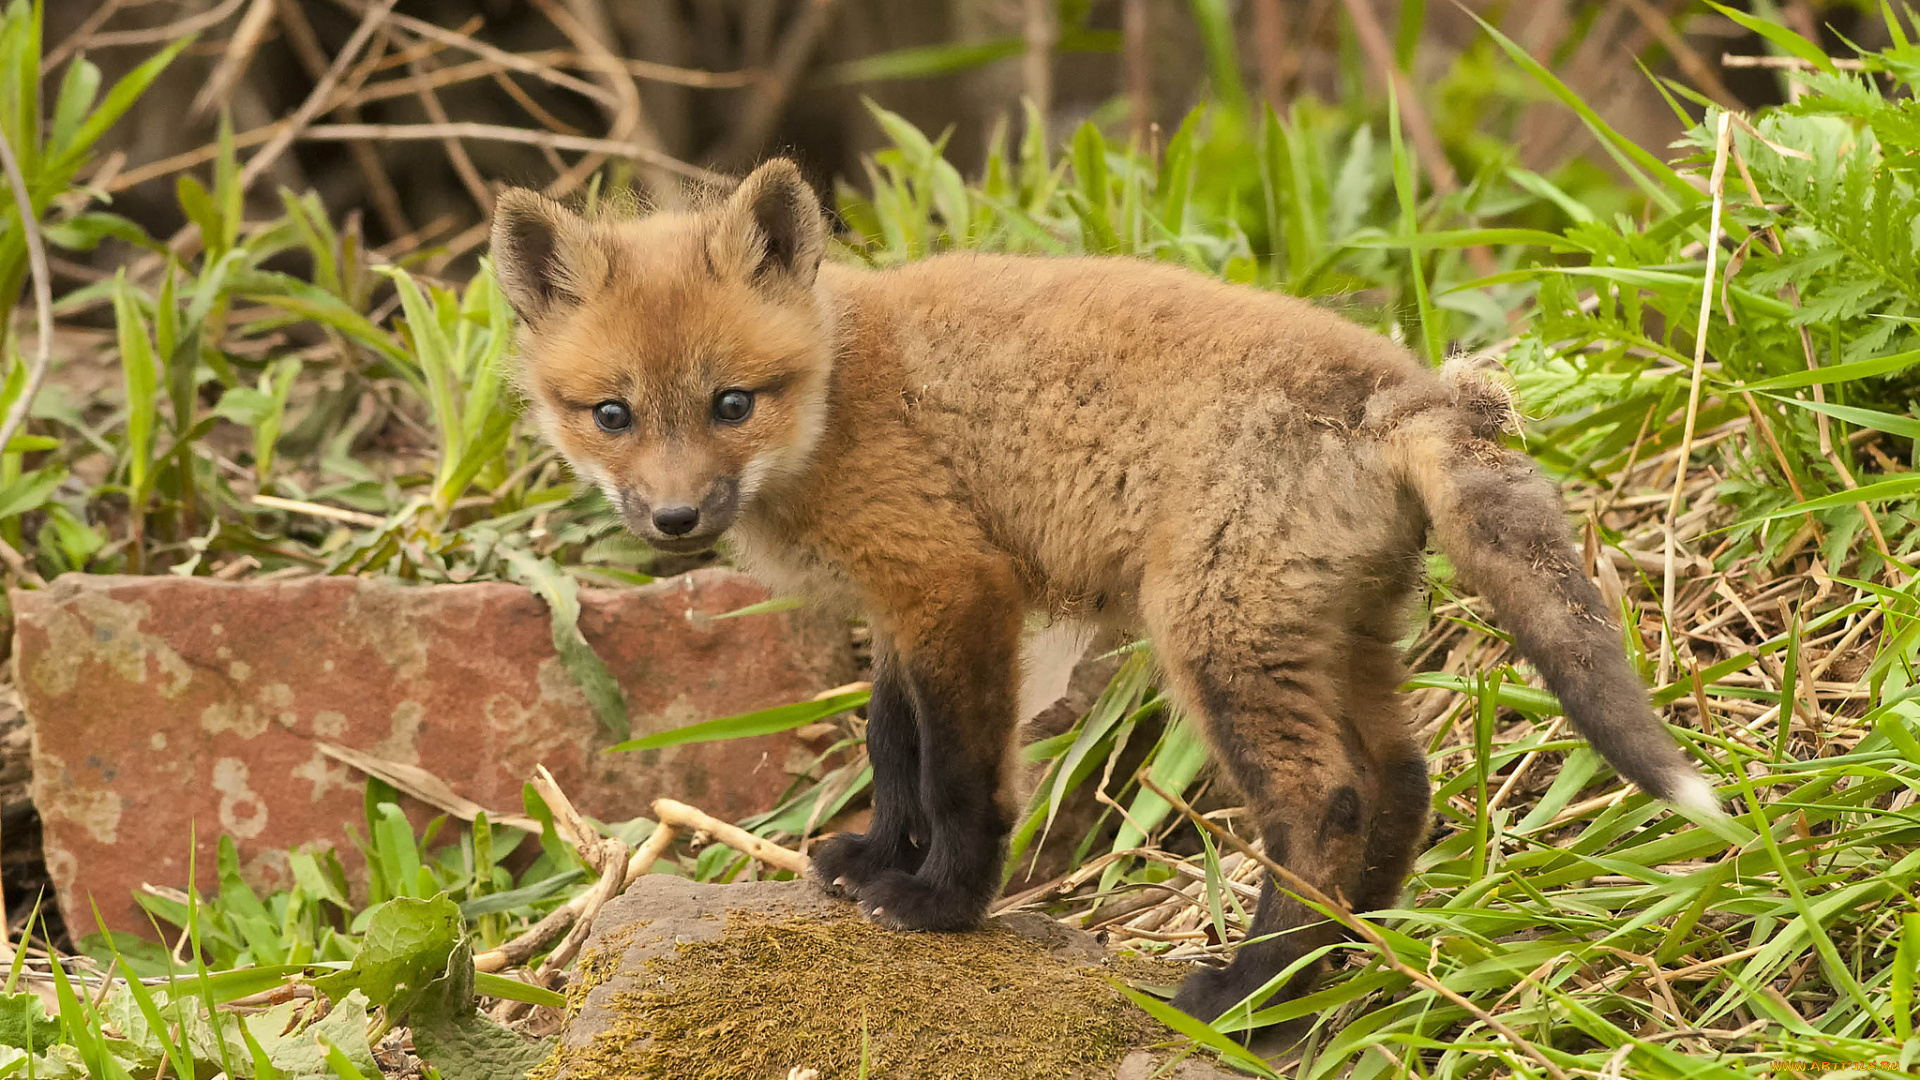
{"x": 733, "y": 406}
{"x": 612, "y": 417}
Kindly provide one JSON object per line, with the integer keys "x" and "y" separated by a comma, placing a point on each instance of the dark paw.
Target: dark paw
{"x": 1210, "y": 992}
{"x": 843, "y": 864}
{"x": 900, "y": 901}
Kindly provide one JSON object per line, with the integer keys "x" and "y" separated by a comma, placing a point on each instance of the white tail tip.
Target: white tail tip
{"x": 1693, "y": 794}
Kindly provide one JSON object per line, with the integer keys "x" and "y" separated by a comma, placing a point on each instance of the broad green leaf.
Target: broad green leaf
{"x": 24, "y": 1022}
{"x": 304, "y": 1050}
{"x": 407, "y": 945}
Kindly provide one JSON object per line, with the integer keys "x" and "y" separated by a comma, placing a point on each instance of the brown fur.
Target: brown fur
{"x": 947, "y": 446}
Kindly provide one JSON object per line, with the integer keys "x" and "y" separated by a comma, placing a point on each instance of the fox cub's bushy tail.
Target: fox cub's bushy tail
{"x": 1503, "y": 526}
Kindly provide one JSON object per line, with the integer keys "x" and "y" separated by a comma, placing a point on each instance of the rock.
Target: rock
{"x": 161, "y": 704}
{"x": 693, "y": 981}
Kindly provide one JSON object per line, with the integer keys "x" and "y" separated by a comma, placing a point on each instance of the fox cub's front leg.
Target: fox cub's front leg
{"x": 898, "y": 837}
{"x": 953, "y": 648}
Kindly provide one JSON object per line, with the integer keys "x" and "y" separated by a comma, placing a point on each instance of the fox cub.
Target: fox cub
{"x": 949, "y": 446}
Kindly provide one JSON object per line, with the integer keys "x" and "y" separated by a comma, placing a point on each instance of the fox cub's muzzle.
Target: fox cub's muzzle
{"x": 681, "y": 524}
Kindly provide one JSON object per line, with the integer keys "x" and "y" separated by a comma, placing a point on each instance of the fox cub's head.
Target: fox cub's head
{"x": 680, "y": 361}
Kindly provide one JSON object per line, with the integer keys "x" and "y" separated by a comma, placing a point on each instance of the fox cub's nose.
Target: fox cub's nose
{"x": 676, "y": 520}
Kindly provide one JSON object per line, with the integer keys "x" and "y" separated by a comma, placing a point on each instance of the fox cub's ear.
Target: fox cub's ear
{"x": 771, "y": 229}
{"x": 543, "y": 253}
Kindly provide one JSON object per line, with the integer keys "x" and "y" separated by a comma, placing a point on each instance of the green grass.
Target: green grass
{"x": 360, "y": 424}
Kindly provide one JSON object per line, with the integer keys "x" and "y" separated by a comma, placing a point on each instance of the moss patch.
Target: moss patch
{"x": 768, "y": 995}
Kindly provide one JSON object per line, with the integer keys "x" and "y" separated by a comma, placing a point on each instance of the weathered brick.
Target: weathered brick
{"x": 161, "y": 704}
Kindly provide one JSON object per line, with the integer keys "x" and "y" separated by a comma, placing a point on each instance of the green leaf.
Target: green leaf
{"x": 176, "y": 1053}
{"x": 766, "y": 607}
{"x": 1215, "y": 18}
{"x": 562, "y": 595}
{"x": 227, "y": 193}
{"x": 344, "y": 1067}
{"x": 1181, "y": 755}
{"x": 1466, "y": 238}
{"x": 924, "y": 61}
{"x": 394, "y": 847}
{"x": 1173, "y": 188}
{"x": 488, "y": 984}
{"x": 142, "y": 382}
{"x": 1906, "y": 970}
{"x": 525, "y": 896}
{"x": 434, "y": 353}
{"x": 1836, "y": 373}
{"x": 1510, "y": 695}
{"x": 233, "y": 984}
{"x": 199, "y": 207}
{"x": 24, "y": 1022}
{"x": 1431, "y": 335}
{"x": 31, "y": 491}
{"x": 307, "y": 1050}
{"x": 83, "y": 232}
{"x": 1636, "y": 162}
{"x": 930, "y": 61}
{"x": 80, "y": 1028}
{"x": 263, "y": 1066}
{"x": 451, "y": 1034}
{"x": 78, "y": 88}
{"x": 1226, "y": 1046}
{"x": 1120, "y": 698}
{"x": 114, "y": 105}
{"x": 312, "y": 302}
{"x": 1906, "y": 486}
{"x": 407, "y": 945}
{"x": 1091, "y": 178}
{"x": 763, "y": 722}
{"x": 241, "y": 907}
{"x": 1793, "y": 43}
{"x": 474, "y": 1047}
{"x": 1904, "y": 426}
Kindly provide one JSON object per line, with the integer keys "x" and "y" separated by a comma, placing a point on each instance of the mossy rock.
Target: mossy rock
{"x": 685, "y": 981}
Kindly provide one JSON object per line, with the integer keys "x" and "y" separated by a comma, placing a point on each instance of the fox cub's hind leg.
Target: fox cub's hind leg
{"x": 898, "y": 836}
{"x": 1377, "y": 712}
{"x": 1258, "y": 659}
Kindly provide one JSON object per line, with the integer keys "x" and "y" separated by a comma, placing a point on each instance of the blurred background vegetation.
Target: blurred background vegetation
{"x": 360, "y": 134}
{"x": 721, "y": 83}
